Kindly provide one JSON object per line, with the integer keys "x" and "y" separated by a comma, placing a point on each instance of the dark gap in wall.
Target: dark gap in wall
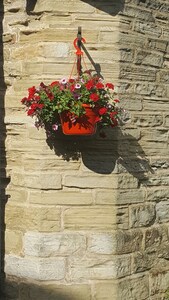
{"x": 3, "y": 178}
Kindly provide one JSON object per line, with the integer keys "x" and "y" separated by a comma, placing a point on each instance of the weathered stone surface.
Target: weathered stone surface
{"x": 99, "y": 268}
{"x": 142, "y": 261}
{"x": 52, "y": 244}
{"x": 39, "y": 269}
{"x": 37, "y": 180}
{"x": 159, "y": 280}
{"x": 155, "y": 237}
{"x": 33, "y": 218}
{"x": 13, "y": 242}
{"x": 90, "y": 181}
{"x": 63, "y": 197}
{"x": 119, "y": 197}
{"x": 106, "y": 290}
{"x": 98, "y": 218}
{"x": 135, "y": 287}
{"x": 162, "y": 211}
{"x": 142, "y": 215}
{"x": 147, "y": 120}
{"x": 120, "y": 242}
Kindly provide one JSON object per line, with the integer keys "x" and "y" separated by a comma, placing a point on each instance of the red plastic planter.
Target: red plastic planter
{"x": 84, "y": 125}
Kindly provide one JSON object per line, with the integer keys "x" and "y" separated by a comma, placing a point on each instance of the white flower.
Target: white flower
{"x": 77, "y": 86}
{"x": 55, "y": 127}
{"x": 63, "y": 81}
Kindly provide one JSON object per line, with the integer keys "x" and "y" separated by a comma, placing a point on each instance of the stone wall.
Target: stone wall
{"x": 88, "y": 218}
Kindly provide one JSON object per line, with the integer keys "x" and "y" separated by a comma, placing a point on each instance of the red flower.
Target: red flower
{"x": 113, "y": 114}
{"x": 94, "y": 97}
{"x": 40, "y": 106}
{"x": 110, "y": 86}
{"x": 71, "y": 80}
{"x": 30, "y": 112}
{"x": 24, "y": 100}
{"x": 72, "y": 88}
{"x": 116, "y": 100}
{"x": 37, "y": 97}
{"x": 100, "y": 85}
{"x": 54, "y": 83}
{"x": 89, "y": 85}
{"x": 31, "y": 91}
{"x": 102, "y": 111}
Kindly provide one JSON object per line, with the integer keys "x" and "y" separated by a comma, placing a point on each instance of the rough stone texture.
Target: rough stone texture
{"x": 86, "y": 219}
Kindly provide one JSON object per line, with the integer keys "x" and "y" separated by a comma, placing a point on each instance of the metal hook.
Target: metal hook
{"x": 78, "y": 41}
{"x": 77, "y": 47}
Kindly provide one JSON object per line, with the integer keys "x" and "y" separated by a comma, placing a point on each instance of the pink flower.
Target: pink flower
{"x": 63, "y": 81}
{"x": 55, "y": 127}
{"x": 77, "y": 86}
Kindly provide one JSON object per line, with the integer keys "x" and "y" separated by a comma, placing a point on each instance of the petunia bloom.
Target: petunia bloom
{"x": 94, "y": 97}
{"x": 110, "y": 86}
{"x": 102, "y": 111}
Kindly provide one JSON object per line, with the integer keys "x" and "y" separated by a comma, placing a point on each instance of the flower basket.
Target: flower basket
{"x": 84, "y": 125}
{"x": 78, "y": 105}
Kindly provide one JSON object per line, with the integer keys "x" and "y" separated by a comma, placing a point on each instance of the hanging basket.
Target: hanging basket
{"x": 84, "y": 125}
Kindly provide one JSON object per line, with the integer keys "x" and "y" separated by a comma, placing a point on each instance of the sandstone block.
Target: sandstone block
{"x": 17, "y": 195}
{"x": 119, "y": 242}
{"x": 55, "y": 35}
{"x": 143, "y": 261}
{"x": 40, "y": 269}
{"x": 32, "y": 218}
{"x": 147, "y": 120}
{"x": 44, "y": 162}
{"x": 13, "y": 242}
{"x": 142, "y": 215}
{"x": 63, "y": 197}
{"x": 162, "y": 211}
{"x": 99, "y": 267}
{"x": 53, "y": 244}
{"x": 159, "y": 280}
{"x": 90, "y": 181}
{"x": 98, "y": 218}
{"x": 155, "y": 237}
{"x": 150, "y": 59}
{"x": 136, "y": 287}
{"x": 37, "y": 180}
{"x": 157, "y": 194}
{"x": 155, "y": 104}
{"x": 159, "y": 135}
{"x": 150, "y": 29}
{"x": 106, "y": 290}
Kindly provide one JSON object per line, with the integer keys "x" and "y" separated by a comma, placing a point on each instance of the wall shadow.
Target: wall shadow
{"x": 3, "y": 178}
{"x": 16, "y": 289}
{"x": 30, "y": 4}
{"x": 111, "y": 7}
{"x": 113, "y": 151}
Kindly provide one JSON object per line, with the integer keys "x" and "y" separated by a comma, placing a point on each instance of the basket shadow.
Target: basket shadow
{"x": 118, "y": 152}
{"x": 111, "y": 7}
